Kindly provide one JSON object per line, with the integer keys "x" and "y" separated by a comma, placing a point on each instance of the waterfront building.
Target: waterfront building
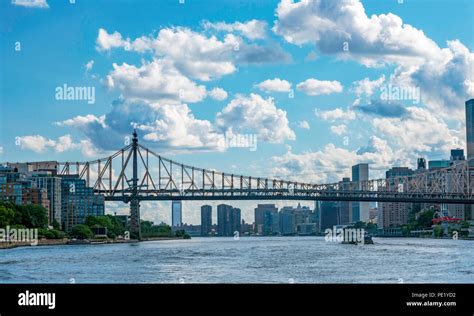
{"x": 328, "y": 214}
{"x": 344, "y": 212}
{"x": 228, "y": 220}
{"x": 206, "y": 220}
{"x": 78, "y": 202}
{"x": 52, "y": 184}
{"x": 176, "y": 214}
{"x": 360, "y": 210}
{"x": 391, "y": 214}
{"x": 27, "y": 168}
{"x": 287, "y": 221}
{"x": 37, "y": 197}
{"x": 266, "y": 219}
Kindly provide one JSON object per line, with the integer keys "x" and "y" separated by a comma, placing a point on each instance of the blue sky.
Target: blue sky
{"x": 155, "y": 65}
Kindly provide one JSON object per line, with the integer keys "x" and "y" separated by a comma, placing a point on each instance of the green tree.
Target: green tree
{"x": 113, "y": 225}
{"x": 7, "y": 215}
{"x": 151, "y": 230}
{"x": 31, "y": 215}
{"x": 56, "y": 225}
{"x": 425, "y": 219}
{"x": 81, "y": 232}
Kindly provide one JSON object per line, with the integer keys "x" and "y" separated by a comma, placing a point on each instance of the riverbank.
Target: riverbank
{"x": 66, "y": 241}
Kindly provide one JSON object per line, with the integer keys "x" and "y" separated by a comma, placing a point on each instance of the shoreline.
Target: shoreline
{"x": 69, "y": 242}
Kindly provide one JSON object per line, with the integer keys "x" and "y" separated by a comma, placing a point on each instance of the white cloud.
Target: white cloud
{"x": 443, "y": 82}
{"x": 419, "y": 132}
{"x": 332, "y": 163}
{"x": 339, "y": 129}
{"x": 303, "y": 124}
{"x": 366, "y": 88}
{"x": 442, "y": 74}
{"x": 41, "y": 144}
{"x": 89, "y": 65}
{"x": 195, "y": 55}
{"x": 106, "y": 41}
{"x": 313, "y": 86}
{"x": 64, "y": 143}
{"x": 218, "y": 94}
{"x": 82, "y": 121}
{"x": 253, "y": 29}
{"x": 1, "y": 150}
{"x": 336, "y": 114}
{"x": 254, "y": 114}
{"x": 155, "y": 81}
{"x": 161, "y": 126}
{"x": 276, "y": 84}
{"x": 42, "y": 4}
{"x": 371, "y": 40}
{"x": 176, "y": 127}
{"x": 36, "y": 143}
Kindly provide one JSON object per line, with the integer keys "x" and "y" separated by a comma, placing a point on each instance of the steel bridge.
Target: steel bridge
{"x": 135, "y": 174}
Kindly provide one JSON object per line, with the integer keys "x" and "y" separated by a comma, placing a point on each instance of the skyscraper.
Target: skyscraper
{"x": 328, "y": 214}
{"x": 206, "y": 220}
{"x": 228, "y": 220}
{"x": 470, "y": 129}
{"x": 360, "y": 210}
{"x": 266, "y": 219}
{"x": 176, "y": 214}
{"x": 344, "y": 214}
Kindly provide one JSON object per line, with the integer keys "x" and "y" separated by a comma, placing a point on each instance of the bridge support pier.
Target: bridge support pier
{"x": 135, "y": 219}
{"x": 135, "y": 226}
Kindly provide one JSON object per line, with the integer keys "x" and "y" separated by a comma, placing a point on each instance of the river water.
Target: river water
{"x": 247, "y": 260}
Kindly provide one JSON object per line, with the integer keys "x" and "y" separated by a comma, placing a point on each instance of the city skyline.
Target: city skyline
{"x": 317, "y": 102}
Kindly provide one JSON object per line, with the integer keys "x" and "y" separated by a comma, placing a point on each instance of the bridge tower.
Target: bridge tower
{"x": 134, "y": 198}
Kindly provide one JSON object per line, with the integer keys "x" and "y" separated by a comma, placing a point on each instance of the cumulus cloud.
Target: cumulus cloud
{"x": 42, "y": 4}
{"x": 218, "y": 94}
{"x": 155, "y": 81}
{"x": 332, "y": 163}
{"x": 82, "y": 121}
{"x": 193, "y": 54}
{"x": 365, "y": 88}
{"x": 443, "y": 74}
{"x": 445, "y": 82}
{"x": 339, "y": 129}
{"x": 313, "y": 86}
{"x": 371, "y": 40}
{"x": 303, "y": 124}
{"x": 41, "y": 144}
{"x": 253, "y": 29}
{"x": 276, "y": 84}
{"x": 254, "y": 114}
{"x": 161, "y": 126}
{"x": 336, "y": 114}
{"x": 419, "y": 131}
